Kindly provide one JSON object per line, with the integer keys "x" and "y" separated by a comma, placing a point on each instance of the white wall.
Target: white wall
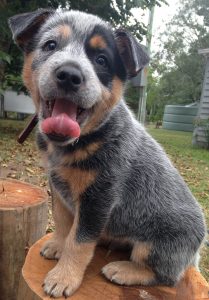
{"x": 18, "y": 103}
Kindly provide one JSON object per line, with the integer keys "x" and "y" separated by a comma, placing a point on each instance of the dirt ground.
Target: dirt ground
{"x": 22, "y": 162}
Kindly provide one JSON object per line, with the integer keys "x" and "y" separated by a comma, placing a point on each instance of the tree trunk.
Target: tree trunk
{"x": 23, "y": 220}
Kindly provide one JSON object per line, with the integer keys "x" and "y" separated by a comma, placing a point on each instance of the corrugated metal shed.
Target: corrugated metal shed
{"x": 199, "y": 134}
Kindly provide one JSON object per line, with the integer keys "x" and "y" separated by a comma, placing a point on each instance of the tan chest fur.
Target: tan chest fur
{"x": 78, "y": 180}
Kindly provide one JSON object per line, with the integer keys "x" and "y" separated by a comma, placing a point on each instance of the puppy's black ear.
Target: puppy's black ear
{"x": 24, "y": 26}
{"x": 131, "y": 52}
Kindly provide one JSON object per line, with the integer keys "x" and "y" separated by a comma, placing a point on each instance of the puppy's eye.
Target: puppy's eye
{"x": 102, "y": 60}
{"x": 50, "y": 45}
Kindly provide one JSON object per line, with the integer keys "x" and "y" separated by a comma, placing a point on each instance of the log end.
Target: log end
{"x": 94, "y": 286}
{"x": 14, "y": 194}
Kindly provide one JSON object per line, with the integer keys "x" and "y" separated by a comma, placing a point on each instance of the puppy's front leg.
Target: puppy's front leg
{"x": 67, "y": 275}
{"x": 63, "y": 219}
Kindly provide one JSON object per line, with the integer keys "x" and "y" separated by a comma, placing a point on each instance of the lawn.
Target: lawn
{"x": 22, "y": 162}
{"x": 193, "y": 164}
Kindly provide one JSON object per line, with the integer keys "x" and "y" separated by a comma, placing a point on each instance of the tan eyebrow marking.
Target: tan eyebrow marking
{"x": 97, "y": 41}
{"x": 64, "y": 30}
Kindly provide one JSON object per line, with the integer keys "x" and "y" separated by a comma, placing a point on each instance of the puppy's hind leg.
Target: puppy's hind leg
{"x": 134, "y": 271}
{"x": 63, "y": 220}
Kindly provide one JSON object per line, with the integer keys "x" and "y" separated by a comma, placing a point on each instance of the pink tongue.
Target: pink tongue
{"x": 63, "y": 120}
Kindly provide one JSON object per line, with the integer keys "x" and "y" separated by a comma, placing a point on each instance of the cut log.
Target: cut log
{"x": 23, "y": 220}
{"x": 94, "y": 286}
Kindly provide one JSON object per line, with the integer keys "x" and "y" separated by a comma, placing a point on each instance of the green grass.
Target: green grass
{"x": 193, "y": 164}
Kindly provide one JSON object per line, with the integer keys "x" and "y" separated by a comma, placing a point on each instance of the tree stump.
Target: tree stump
{"x": 23, "y": 220}
{"x": 94, "y": 286}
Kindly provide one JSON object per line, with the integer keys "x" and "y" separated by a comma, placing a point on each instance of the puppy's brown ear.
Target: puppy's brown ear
{"x": 24, "y": 26}
{"x": 131, "y": 52}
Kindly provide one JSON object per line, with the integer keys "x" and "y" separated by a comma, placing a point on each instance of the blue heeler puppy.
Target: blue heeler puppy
{"x": 109, "y": 178}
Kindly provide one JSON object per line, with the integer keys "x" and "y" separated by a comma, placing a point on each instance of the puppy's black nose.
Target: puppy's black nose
{"x": 69, "y": 77}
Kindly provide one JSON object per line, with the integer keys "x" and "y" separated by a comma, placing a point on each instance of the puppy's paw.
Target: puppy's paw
{"x": 52, "y": 249}
{"x": 61, "y": 282}
{"x": 128, "y": 273}
{"x": 118, "y": 272}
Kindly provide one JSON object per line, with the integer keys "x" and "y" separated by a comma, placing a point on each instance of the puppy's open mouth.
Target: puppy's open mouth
{"x": 62, "y": 119}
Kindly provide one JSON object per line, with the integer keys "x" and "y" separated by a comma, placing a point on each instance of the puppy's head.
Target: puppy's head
{"x": 75, "y": 68}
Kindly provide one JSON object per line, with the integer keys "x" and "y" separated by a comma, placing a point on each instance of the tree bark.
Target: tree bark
{"x": 23, "y": 220}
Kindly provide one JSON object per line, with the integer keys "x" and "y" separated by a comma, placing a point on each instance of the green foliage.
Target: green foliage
{"x": 14, "y": 81}
{"x": 132, "y": 97}
{"x": 9, "y": 79}
{"x": 179, "y": 67}
{"x": 4, "y": 57}
{"x": 154, "y": 101}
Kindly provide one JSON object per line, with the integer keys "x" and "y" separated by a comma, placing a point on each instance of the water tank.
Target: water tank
{"x": 180, "y": 117}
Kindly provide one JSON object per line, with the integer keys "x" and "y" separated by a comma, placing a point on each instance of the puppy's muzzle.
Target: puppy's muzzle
{"x": 69, "y": 78}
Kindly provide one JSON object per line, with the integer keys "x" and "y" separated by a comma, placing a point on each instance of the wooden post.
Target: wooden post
{"x": 94, "y": 286}
{"x": 23, "y": 220}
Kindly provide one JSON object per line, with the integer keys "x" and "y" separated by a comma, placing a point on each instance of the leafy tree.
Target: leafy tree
{"x": 178, "y": 64}
{"x": 154, "y": 101}
{"x": 132, "y": 97}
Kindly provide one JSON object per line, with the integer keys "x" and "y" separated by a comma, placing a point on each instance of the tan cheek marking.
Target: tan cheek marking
{"x": 64, "y": 30}
{"x": 28, "y": 77}
{"x": 116, "y": 93}
{"x": 97, "y": 42}
{"x": 81, "y": 154}
{"x": 140, "y": 252}
{"x": 79, "y": 180}
{"x": 109, "y": 100}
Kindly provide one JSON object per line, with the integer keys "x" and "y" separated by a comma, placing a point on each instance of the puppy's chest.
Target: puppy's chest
{"x": 69, "y": 180}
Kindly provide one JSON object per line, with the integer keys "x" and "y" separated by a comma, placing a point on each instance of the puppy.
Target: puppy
{"x": 109, "y": 178}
